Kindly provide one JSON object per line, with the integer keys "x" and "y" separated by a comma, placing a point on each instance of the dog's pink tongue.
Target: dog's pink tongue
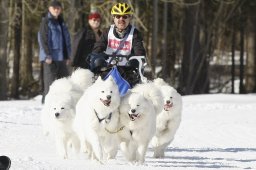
{"x": 167, "y": 107}
{"x": 106, "y": 102}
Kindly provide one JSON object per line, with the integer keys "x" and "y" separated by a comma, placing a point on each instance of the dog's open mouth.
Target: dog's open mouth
{"x": 105, "y": 102}
{"x": 168, "y": 106}
{"x": 133, "y": 116}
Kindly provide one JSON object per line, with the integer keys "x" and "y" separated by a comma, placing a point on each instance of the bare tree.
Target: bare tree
{"x": 3, "y": 48}
{"x": 250, "y": 70}
{"x": 242, "y": 37}
{"x": 192, "y": 61}
{"x": 154, "y": 37}
{"x": 26, "y": 77}
{"x": 233, "y": 44}
{"x": 164, "y": 41}
{"x": 17, "y": 24}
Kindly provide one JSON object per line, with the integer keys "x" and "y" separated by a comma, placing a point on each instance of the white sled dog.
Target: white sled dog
{"x": 138, "y": 118}
{"x": 96, "y": 117}
{"x": 59, "y": 109}
{"x": 57, "y": 118}
{"x": 168, "y": 120}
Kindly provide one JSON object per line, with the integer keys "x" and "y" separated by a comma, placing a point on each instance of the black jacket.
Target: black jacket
{"x": 82, "y": 46}
{"x": 137, "y": 42}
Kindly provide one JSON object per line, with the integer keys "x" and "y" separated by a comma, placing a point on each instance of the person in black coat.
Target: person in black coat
{"x": 84, "y": 41}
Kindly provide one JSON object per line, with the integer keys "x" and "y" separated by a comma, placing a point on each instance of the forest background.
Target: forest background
{"x": 198, "y": 46}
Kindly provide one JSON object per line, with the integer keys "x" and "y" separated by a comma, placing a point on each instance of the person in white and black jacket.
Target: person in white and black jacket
{"x": 120, "y": 41}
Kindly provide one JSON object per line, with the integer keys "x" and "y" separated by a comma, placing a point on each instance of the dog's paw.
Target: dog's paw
{"x": 63, "y": 156}
{"x": 158, "y": 155}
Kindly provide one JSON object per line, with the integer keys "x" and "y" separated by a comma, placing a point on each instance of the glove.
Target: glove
{"x": 97, "y": 61}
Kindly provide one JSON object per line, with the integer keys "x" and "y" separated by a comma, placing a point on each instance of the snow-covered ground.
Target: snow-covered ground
{"x": 217, "y": 131}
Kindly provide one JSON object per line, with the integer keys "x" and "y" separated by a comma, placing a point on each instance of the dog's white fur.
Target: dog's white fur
{"x": 59, "y": 109}
{"x": 96, "y": 111}
{"x": 138, "y": 116}
{"x": 151, "y": 92}
{"x": 168, "y": 120}
{"x": 83, "y": 78}
{"x": 57, "y": 118}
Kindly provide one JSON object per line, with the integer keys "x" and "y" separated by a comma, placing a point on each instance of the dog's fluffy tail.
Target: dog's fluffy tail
{"x": 61, "y": 86}
{"x": 82, "y": 78}
{"x": 152, "y": 93}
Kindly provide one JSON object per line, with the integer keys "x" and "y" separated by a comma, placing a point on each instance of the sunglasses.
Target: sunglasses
{"x": 123, "y": 16}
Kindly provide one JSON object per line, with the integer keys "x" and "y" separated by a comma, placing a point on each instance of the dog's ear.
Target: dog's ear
{"x": 99, "y": 79}
{"x": 160, "y": 82}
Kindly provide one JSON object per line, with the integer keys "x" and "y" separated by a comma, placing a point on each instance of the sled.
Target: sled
{"x": 126, "y": 77}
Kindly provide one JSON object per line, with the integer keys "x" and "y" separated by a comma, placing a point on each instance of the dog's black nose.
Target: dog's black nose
{"x": 108, "y": 97}
{"x": 57, "y": 114}
{"x": 133, "y": 110}
{"x": 168, "y": 101}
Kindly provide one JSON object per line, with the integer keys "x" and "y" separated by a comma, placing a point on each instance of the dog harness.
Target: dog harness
{"x": 116, "y": 131}
{"x": 107, "y": 118}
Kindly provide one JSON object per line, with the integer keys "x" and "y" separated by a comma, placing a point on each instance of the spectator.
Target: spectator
{"x": 84, "y": 41}
{"x": 55, "y": 46}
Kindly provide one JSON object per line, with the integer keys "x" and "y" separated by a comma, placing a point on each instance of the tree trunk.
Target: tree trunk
{"x": 254, "y": 28}
{"x": 26, "y": 77}
{"x": 75, "y": 21}
{"x": 233, "y": 44}
{"x": 171, "y": 58}
{"x": 17, "y": 46}
{"x": 154, "y": 37}
{"x": 3, "y": 48}
{"x": 193, "y": 77}
{"x": 241, "y": 84}
{"x": 164, "y": 42}
{"x": 250, "y": 73}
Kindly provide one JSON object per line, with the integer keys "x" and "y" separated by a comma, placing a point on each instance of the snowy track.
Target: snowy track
{"x": 217, "y": 131}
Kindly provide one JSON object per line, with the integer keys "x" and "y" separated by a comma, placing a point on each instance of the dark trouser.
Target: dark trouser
{"x": 53, "y": 71}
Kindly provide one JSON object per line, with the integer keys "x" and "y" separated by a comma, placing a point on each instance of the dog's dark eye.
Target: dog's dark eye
{"x": 62, "y": 108}
{"x": 102, "y": 92}
{"x": 170, "y": 97}
{"x": 110, "y": 91}
{"x": 138, "y": 105}
{"x": 54, "y": 108}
